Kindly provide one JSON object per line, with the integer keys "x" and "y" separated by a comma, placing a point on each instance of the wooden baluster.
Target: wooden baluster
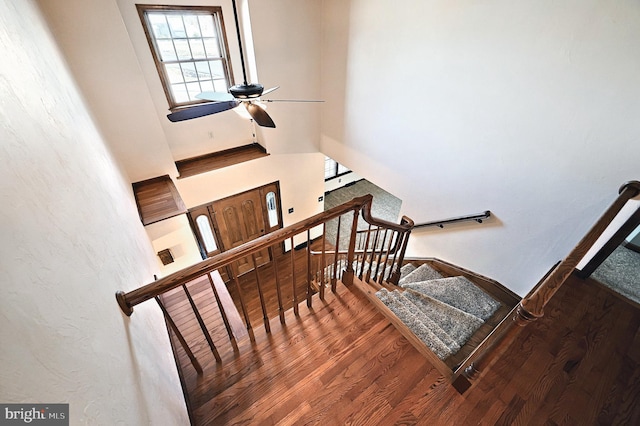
{"x": 278, "y": 289}
{"x": 223, "y": 313}
{"x": 176, "y": 331}
{"x": 364, "y": 252}
{"x": 243, "y": 305}
{"x": 334, "y": 273}
{"x": 347, "y": 275}
{"x": 293, "y": 280}
{"x": 387, "y": 255}
{"x": 323, "y": 260}
{"x": 404, "y": 239}
{"x": 265, "y": 315}
{"x": 203, "y": 326}
{"x": 373, "y": 254}
{"x": 394, "y": 250}
{"x": 380, "y": 257}
{"x": 309, "y": 291}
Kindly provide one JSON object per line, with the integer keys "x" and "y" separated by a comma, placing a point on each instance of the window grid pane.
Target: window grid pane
{"x": 188, "y": 46}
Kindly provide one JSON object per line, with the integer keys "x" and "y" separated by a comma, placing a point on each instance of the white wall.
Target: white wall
{"x": 301, "y": 183}
{"x": 300, "y": 175}
{"x": 98, "y": 51}
{"x": 70, "y": 239}
{"x": 525, "y": 108}
{"x": 287, "y": 39}
{"x": 176, "y": 235}
{"x": 339, "y": 182}
{"x": 198, "y": 136}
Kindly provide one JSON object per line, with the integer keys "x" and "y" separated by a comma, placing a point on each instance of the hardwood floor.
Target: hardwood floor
{"x": 342, "y": 363}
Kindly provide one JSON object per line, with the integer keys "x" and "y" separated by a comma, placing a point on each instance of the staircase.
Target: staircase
{"x": 445, "y": 311}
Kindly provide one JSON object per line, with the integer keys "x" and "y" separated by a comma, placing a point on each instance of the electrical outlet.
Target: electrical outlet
{"x": 290, "y": 210}
{"x": 320, "y": 198}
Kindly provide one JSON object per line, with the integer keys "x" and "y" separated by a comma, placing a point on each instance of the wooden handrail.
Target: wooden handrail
{"x": 128, "y": 300}
{"x": 440, "y": 223}
{"x": 532, "y": 306}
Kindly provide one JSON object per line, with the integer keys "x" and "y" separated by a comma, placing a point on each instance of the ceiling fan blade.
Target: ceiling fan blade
{"x": 201, "y": 110}
{"x": 270, "y": 90}
{"x": 259, "y": 115}
{"x": 290, "y": 100}
{"x": 215, "y": 96}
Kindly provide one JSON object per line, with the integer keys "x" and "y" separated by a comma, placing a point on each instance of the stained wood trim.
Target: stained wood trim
{"x": 369, "y": 292}
{"x": 534, "y": 303}
{"x": 128, "y": 300}
{"x": 610, "y": 246}
{"x": 489, "y": 285}
{"x": 220, "y": 159}
{"x": 157, "y": 199}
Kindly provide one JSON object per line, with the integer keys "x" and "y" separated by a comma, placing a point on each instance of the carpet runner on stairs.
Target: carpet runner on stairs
{"x": 443, "y": 312}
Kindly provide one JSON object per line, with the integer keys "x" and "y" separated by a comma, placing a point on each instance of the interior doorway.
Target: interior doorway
{"x": 232, "y": 221}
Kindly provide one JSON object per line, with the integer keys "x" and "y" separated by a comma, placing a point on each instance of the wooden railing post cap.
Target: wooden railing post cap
{"x": 122, "y": 302}
{"x": 633, "y": 184}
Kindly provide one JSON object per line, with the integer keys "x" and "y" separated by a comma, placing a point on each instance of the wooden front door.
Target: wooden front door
{"x": 235, "y": 220}
{"x": 240, "y": 219}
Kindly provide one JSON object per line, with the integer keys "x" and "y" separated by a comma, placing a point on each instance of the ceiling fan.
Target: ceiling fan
{"x": 244, "y": 93}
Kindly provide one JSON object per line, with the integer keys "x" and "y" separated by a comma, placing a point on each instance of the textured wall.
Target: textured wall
{"x": 70, "y": 238}
{"x": 525, "y": 108}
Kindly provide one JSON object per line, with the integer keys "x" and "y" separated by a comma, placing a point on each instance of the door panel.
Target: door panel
{"x": 240, "y": 219}
{"x": 236, "y": 220}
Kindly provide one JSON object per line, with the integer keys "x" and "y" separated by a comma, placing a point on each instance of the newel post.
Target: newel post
{"x": 347, "y": 276}
{"x": 532, "y": 306}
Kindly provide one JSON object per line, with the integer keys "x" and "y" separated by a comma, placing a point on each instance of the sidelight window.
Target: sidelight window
{"x": 204, "y": 226}
{"x": 272, "y": 209}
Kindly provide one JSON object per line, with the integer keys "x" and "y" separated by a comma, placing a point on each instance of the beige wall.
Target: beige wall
{"x": 524, "y": 108}
{"x": 70, "y": 239}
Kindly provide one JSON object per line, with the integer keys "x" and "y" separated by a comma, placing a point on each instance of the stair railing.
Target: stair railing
{"x": 479, "y": 217}
{"x": 277, "y": 239}
{"x": 378, "y": 254}
{"x": 532, "y": 306}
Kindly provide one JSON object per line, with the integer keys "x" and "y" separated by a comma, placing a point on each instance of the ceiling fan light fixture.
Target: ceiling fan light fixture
{"x": 241, "y": 110}
{"x": 246, "y": 91}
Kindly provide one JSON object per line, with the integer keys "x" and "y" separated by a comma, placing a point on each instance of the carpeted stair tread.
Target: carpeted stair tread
{"x": 406, "y": 269}
{"x": 431, "y": 323}
{"x": 457, "y": 324}
{"x": 400, "y": 309}
{"x": 458, "y": 292}
{"x": 422, "y": 273}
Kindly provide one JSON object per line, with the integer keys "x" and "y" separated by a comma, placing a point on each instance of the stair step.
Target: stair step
{"x": 451, "y": 309}
{"x": 422, "y": 273}
{"x": 406, "y": 269}
{"x": 460, "y": 293}
{"x": 458, "y": 324}
{"x": 414, "y": 323}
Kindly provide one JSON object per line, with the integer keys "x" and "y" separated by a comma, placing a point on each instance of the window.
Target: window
{"x": 207, "y": 233}
{"x": 189, "y": 49}
{"x": 272, "y": 209}
{"x": 333, "y": 169}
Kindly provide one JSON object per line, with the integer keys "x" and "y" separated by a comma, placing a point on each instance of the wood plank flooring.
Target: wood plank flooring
{"x": 341, "y": 362}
